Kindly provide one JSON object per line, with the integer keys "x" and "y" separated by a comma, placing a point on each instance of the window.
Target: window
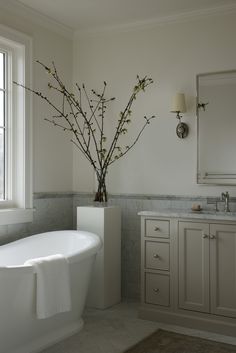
{"x": 3, "y": 100}
{"x": 15, "y": 128}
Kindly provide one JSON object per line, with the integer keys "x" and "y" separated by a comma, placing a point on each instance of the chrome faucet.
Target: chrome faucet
{"x": 225, "y": 198}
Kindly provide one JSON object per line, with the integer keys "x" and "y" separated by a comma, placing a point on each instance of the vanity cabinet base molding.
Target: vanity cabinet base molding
{"x": 188, "y": 272}
{"x": 189, "y": 320}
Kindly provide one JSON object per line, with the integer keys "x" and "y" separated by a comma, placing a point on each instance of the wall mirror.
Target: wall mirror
{"x": 216, "y": 128}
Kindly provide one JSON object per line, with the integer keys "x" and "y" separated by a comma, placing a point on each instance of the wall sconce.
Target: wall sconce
{"x": 202, "y": 106}
{"x": 179, "y": 106}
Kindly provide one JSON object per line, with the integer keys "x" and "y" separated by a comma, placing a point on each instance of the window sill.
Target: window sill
{"x": 16, "y": 215}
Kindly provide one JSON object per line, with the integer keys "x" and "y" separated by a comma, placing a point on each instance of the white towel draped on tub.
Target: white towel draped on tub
{"x": 53, "y": 285}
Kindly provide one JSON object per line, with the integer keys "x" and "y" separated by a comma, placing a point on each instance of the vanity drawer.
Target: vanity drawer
{"x": 157, "y": 289}
{"x": 157, "y": 255}
{"x": 157, "y": 228}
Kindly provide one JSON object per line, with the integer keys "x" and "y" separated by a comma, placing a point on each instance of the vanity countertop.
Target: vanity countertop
{"x": 183, "y": 213}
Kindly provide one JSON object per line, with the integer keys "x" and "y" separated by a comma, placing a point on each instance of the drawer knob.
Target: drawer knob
{"x": 205, "y": 236}
{"x": 156, "y": 290}
{"x": 212, "y": 236}
{"x": 156, "y": 256}
{"x": 156, "y": 229}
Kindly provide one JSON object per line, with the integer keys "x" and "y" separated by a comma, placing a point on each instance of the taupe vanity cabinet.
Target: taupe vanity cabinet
{"x": 207, "y": 268}
{"x": 188, "y": 271}
{"x": 223, "y": 269}
{"x": 193, "y": 267}
{"x": 156, "y": 261}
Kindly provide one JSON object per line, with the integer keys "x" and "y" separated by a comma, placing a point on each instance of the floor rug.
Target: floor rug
{"x": 169, "y": 342}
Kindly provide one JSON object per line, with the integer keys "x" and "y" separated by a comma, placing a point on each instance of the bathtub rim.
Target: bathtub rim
{"x": 74, "y": 257}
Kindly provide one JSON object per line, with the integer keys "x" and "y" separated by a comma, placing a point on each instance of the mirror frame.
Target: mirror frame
{"x": 224, "y": 178}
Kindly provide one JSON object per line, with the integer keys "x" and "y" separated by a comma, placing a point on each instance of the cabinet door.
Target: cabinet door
{"x": 194, "y": 266}
{"x": 223, "y": 269}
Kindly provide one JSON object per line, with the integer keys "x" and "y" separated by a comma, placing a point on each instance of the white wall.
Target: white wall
{"x": 52, "y": 150}
{"x": 172, "y": 55}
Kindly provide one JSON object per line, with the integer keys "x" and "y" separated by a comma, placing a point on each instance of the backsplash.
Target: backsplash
{"x": 55, "y": 211}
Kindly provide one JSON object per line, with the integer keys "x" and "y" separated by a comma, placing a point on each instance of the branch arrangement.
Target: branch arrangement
{"x": 86, "y": 125}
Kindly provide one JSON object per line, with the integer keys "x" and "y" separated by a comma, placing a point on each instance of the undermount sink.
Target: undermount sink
{"x": 213, "y": 212}
{"x": 188, "y": 213}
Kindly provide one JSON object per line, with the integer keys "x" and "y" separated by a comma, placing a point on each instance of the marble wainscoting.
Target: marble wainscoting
{"x": 130, "y": 232}
{"x": 53, "y": 211}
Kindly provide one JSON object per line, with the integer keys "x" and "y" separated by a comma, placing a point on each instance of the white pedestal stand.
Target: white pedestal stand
{"x": 105, "y": 285}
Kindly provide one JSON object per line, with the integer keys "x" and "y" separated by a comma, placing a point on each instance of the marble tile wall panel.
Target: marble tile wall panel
{"x": 50, "y": 214}
{"x": 131, "y": 232}
{"x": 55, "y": 211}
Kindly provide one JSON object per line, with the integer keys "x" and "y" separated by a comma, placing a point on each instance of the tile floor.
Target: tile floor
{"x": 115, "y": 329}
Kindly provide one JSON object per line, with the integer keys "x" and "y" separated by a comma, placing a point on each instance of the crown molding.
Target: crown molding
{"x": 160, "y": 21}
{"x": 25, "y": 12}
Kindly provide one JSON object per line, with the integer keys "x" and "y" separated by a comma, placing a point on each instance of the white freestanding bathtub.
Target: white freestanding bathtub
{"x": 20, "y": 330}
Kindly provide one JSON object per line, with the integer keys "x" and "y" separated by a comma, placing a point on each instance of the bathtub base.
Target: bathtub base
{"x": 20, "y": 329}
{"x": 51, "y": 338}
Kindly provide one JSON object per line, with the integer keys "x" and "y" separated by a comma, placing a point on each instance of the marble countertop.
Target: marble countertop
{"x": 183, "y": 213}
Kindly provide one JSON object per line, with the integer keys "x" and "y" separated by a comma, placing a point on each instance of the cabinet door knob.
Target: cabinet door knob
{"x": 156, "y": 229}
{"x": 212, "y": 236}
{"x": 156, "y": 290}
{"x": 205, "y": 236}
{"x": 156, "y": 256}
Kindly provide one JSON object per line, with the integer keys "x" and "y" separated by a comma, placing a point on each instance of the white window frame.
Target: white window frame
{"x": 18, "y": 206}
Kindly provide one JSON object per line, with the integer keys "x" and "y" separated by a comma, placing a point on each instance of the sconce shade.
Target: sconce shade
{"x": 178, "y": 104}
